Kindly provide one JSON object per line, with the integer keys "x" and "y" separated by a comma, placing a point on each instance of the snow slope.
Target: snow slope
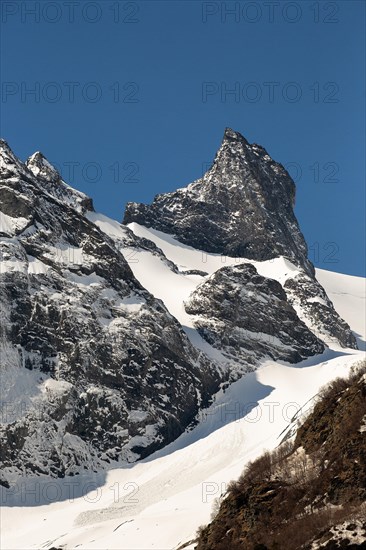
{"x": 159, "y": 503}
{"x": 163, "y": 499}
{"x": 348, "y": 294}
{"x": 174, "y": 288}
{"x": 188, "y": 258}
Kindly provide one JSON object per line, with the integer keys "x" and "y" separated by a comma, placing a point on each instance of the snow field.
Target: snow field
{"x": 159, "y": 503}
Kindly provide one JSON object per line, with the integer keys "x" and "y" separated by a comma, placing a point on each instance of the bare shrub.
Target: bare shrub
{"x": 216, "y": 507}
{"x": 334, "y": 389}
{"x": 260, "y": 469}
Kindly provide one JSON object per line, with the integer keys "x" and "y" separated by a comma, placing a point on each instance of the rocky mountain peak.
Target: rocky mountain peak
{"x": 40, "y": 167}
{"x": 237, "y": 161}
{"x": 3, "y": 145}
{"x": 5, "y": 150}
{"x": 9, "y": 163}
{"x": 96, "y": 348}
{"x": 232, "y": 135}
{"x": 51, "y": 181}
{"x": 115, "y": 367}
{"x": 243, "y": 206}
{"x": 36, "y": 172}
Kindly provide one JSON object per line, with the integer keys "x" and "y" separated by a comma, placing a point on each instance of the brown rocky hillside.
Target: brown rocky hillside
{"x": 309, "y": 493}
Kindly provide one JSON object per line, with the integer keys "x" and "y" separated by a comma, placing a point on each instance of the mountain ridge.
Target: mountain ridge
{"x": 83, "y": 316}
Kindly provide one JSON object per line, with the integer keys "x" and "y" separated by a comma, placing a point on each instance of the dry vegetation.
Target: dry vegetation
{"x": 287, "y": 498}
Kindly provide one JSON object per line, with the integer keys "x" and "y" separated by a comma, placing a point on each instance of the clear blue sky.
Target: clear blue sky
{"x": 131, "y": 99}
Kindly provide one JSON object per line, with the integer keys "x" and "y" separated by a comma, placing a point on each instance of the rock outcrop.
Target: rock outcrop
{"x": 247, "y": 316}
{"x": 241, "y": 207}
{"x": 94, "y": 368}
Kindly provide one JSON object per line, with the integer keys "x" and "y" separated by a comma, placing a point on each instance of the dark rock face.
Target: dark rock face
{"x": 247, "y": 316}
{"x": 241, "y": 207}
{"x": 307, "y": 294}
{"x": 105, "y": 372}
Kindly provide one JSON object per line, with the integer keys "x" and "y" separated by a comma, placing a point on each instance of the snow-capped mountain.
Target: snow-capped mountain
{"x": 95, "y": 369}
{"x": 115, "y": 336}
{"x": 241, "y": 207}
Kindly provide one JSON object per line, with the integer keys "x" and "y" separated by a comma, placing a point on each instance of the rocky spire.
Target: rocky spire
{"x": 242, "y": 207}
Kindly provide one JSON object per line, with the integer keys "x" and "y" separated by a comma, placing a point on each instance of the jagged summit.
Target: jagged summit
{"x": 9, "y": 163}
{"x": 44, "y": 171}
{"x": 237, "y": 154}
{"x": 231, "y": 134}
{"x": 3, "y": 143}
{"x": 39, "y": 166}
{"x": 243, "y": 207}
{"x": 74, "y": 314}
{"x": 37, "y": 171}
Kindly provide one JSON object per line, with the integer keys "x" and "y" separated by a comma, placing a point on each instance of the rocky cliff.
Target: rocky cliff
{"x": 241, "y": 207}
{"x": 95, "y": 369}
